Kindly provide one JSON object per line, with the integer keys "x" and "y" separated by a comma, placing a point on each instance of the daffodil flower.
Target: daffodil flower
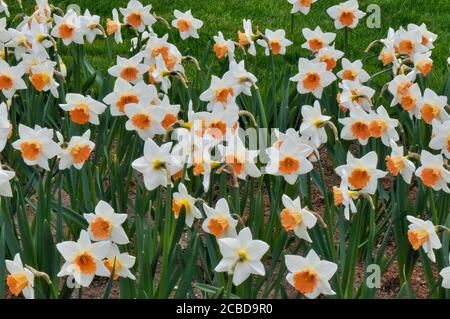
{"x": 313, "y": 77}
{"x": 241, "y": 256}
{"x": 241, "y": 160}
{"x": 131, "y": 70}
{"x": 5, "y": 126}
{"x": 77, "y": 151}
{"x": 275, "y": 42}
{"x": 432, "y": 172}
{"x": 182, "y": 200}
{"x": 137, "y": 16}
{"x": 223, "y": 48}
{"x": 219, "y": 222}
{"x": 113, "y": 26}
{"x": 121, "y": 262}
{"x": 297, "y": 219}
{"x": 423, "y": 234}
{"x": 186, "y": 24}
{"x": 432, "y": 106}
{"x": 5, "y": 182}
{"x": 89, "y": 26}
{"x": 317, "y": 39}
{"x": 83, "y": 259}
{"x": 309, "y": 275}
{"x": 157, "y": 164}
{"x": 36, "y": 145}
{"x": 346, "y": 14}
{"x": 344, "y": 196}
{"x": 361, "y": 173}
{"x": 20, "y": 279}
{"x": 105, "y": 224}
{"x": 301, "y": 5}
{"x": 11, "y": 78}
{"x": 353, "y": 71}
{"x": 445, "y": 274}
{"x": 68, "y": 28}
{"x": 83, "y": 109}
{"x": 313, "y": 124}
{"x": 289, "y": 160}
{"x": 41, "y": 78}
{"x": 397, "y": 163}
{"x": 440, "y": 137}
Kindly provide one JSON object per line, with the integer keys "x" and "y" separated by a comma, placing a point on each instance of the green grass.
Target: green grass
{"x": 226, "y": 16}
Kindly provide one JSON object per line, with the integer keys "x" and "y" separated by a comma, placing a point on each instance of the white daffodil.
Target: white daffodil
{"x": 346, "y": 14}
{"x": 83, "y": 109}
{"x": 223, "y": 48}
{"x": 275, "y": 42}
{"x": 422, "y": 63}
{"x": 313, "y": 124}
{"x": 77, "y": 151}
{"x": 67, "y": 28}
{"x": 316, "y": 39}
{"x": 137, "y": 16}
{"x": 186, "y": 24}
{"x": 312, "y": 77}
{"x": 5, "y": 126}
{"x": 121, "y": 262}
{"x": 356, "y": 126}
{"x": 145, "y": 119}
{"x": 247, "y": 38}
{"x": 124, "y": 94}
{"x": 243, "y": 78}
{"x": 131, "y": 70}
{"x": 356, "y": 95}
{"x": 330, "y": 56}
{"x": 361, "y": 173}
{"x": 221, "y": 92}
{"x": 301, "y": 5}
{"x": 157, "y": 164}
{"x": 440, "y": 137}
{"x": 382, "y": 126}
{"x": 397, "y": 163}
{"x": 5, "y": 185}
{"x": 353, "y": 71}
{"x": 105, "y": 224}
{"x": 289, "y": 160}
{"x": 218, "y": 220}
{"x": 344, "y": 196}
{"x": 182, "y": 200}
{"x": 400, "y": 85}
{"x": 241, "y": 160}
{"x": 20, "y": 279}
{"x": 83, "y": 259}
{"x": 410, "y": 100}
{"x": 296, "y": 218}
{"x": 309, "y": 275}
{"x": 428, "y": 37}
{"x": 89, "y": 26}
{"x": 242, "y": 256}
{"x": 11, "y": 78}
{"x": 445, "y": 274}
{"x": 432, "y": 107}
{"x": 409, "y": 42}
{"x": 113, "y": 26}
{"x": 423, "y": 234}
{"x": 432, "y": 172}
{"x": 41, "y": 78}
{"x": 36, "y": 145}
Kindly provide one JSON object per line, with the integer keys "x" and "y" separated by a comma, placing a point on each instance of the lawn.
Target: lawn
{"x": 226, "y": 16}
